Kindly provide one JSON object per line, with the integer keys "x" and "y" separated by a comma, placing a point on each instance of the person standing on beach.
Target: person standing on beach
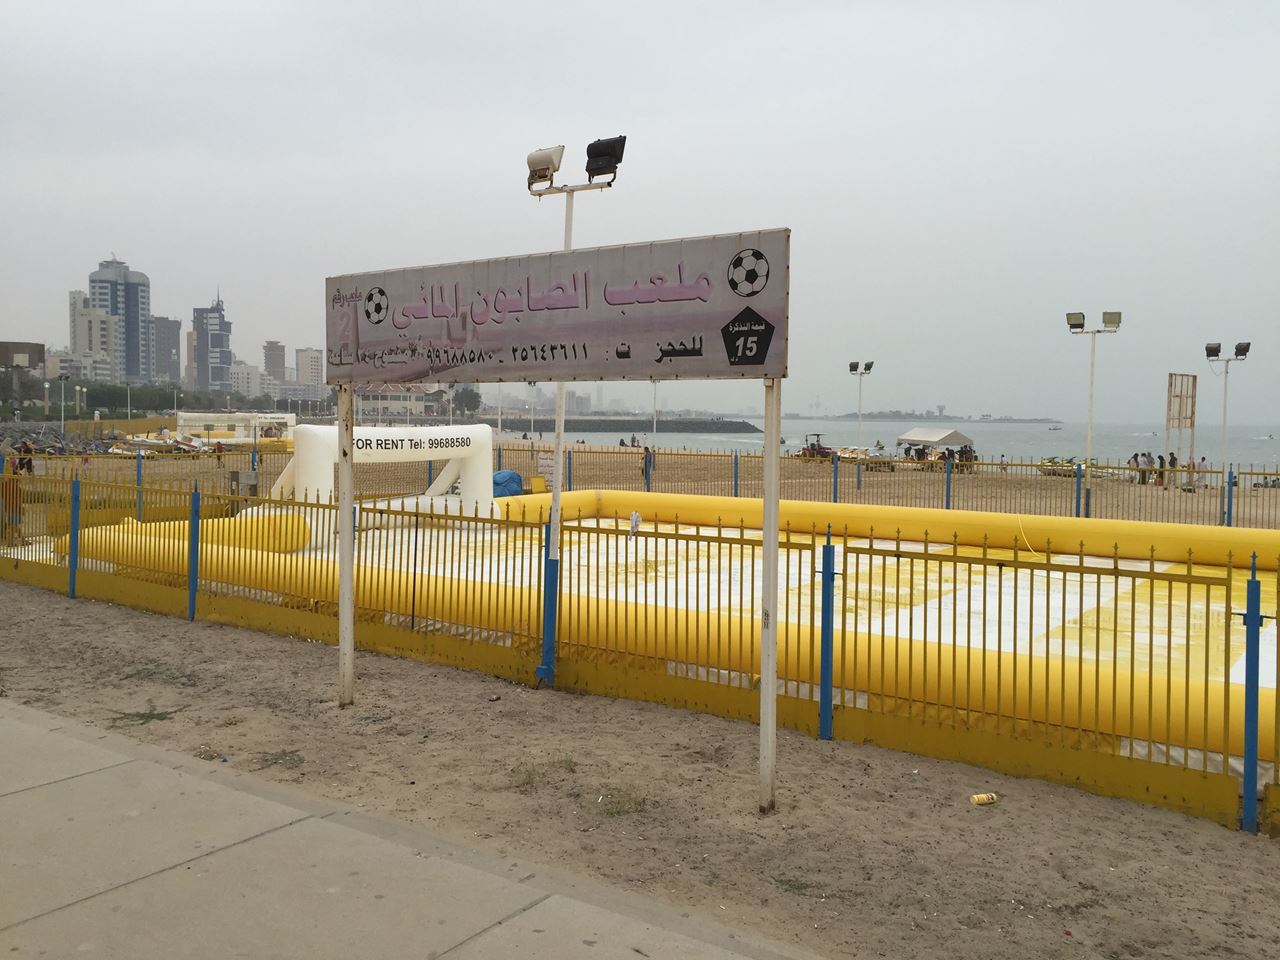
{"x": 1173, "y": 467}
{"x": 1004, "y": 463}
{"x": 1160, "y": 471}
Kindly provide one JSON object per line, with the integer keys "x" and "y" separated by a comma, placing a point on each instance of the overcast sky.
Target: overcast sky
{"x": 957, "y": 176}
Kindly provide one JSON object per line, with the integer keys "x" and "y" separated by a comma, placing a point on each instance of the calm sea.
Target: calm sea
{"x": 1018, "y": 441}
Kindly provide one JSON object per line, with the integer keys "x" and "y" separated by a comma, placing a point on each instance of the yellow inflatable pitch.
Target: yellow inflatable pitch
{"x": 1059, "y": 691}
{"x": 1131, "y": 539}
{"x": 276, "y": 533}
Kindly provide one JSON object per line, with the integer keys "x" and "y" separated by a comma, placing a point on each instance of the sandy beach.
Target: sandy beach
{"x": 871, "y": 853}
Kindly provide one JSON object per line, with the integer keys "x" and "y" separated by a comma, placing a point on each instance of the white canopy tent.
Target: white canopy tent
{"x": 933, "y": 437}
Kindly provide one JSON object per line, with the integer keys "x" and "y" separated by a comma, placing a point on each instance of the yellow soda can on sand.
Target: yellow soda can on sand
{"x": 983, "y": 799}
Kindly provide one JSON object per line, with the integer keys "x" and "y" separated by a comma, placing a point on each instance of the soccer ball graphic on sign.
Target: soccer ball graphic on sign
{"x": 376, "y": 305}
{"x": 748, "y": 273}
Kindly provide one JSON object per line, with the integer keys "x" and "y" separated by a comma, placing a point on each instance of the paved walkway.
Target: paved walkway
{"x": 111, "y": 848}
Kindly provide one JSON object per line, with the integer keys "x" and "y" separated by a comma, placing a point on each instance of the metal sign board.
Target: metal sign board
{"x": 1180, "y": 407}
{"x": 699, "y": 308}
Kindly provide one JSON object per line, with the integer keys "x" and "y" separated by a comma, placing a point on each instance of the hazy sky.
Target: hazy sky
{"x": 957, "y": 176}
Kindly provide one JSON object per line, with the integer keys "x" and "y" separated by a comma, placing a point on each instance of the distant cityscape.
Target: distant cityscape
{"x": 114, "y": 340}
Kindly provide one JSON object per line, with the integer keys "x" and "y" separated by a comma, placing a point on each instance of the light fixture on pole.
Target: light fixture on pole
{"x": 603, "y": 158}
{"x": 1213, "y": 352}
{"x": 1076, "y": 324}
{"x": 46, "y": 399}
{"x": 860, "y": 373}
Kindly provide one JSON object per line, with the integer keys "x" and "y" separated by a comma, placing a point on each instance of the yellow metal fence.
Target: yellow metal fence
{"x": 1121, "y": 676}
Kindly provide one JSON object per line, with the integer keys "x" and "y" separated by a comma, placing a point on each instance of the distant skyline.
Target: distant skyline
{"x": 957, "y": 177}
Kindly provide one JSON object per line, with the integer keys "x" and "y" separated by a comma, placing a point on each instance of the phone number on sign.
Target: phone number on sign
{"x": 550, "y": 351}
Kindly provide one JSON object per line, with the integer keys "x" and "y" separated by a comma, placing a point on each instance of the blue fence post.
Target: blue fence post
{"x": 1228, "y": 513}
{"x": 648, "y": 471}
{"x": 828, "y": 644}
{"x": 835, "y": 477}
{"x": 499, "y": 467}
{"x": 546, "y": 669}
{"x": 946, "y": 497}
{"x": 73, "y": 548}
{"x": 1079, "y": 485}
{"x": 1252, "y": 641}
{"x": 568, "y": 469}
{"x": 857, "y": 476}
{"x": 138, "y": 484}
{"x": 193, "y": 553}
{"x": 735, "y": 473}
{"x": 431, "y": 471}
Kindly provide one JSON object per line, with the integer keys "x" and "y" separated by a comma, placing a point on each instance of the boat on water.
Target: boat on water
{"x": 1055, "y": 428}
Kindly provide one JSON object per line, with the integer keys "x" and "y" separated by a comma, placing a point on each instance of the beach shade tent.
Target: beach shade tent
{"x": 933, "y": 437}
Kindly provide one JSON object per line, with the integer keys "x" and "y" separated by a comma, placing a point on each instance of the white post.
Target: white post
{"x": 499, "y": 412}
{"x": 128, "y": 402}
{"x": 1226, "y": 373}
{"x": 1088, "y": 443}
{"x": 859, "y": 411}
{"x": 655, "y": 413}
{"x": 346, "y": 548}
{"x": 62, "y": 407}
{"x": 769, "y": 596}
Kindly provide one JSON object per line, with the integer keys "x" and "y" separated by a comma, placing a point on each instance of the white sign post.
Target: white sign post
{"x": 698, "y": 308}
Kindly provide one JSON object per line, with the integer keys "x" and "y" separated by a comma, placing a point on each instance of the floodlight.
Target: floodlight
{"x": 1111, "y": 319}
{"x": 544, "y": 164}
{"x": 603, "y": 157}
{"x": 1075, "y": 322}
{"x": 853, "y": 367}
{"x": 866, "y": 367}
{"x": 1242, "y": 349}
{"x": 1213, "y": 350}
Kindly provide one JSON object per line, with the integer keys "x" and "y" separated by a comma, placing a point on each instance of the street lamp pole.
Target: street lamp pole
{"x": 860, "y": 371}
{"x": 655, "y": 413}
{"x": 62, "y": 405}
{"x": 46, "y": 399}
{"x": 603, "y": 157}
{"x": 1110, "y": 324}
{"x": 1213, "y": 351}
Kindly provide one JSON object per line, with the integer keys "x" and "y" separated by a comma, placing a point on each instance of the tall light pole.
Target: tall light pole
{"x": 1213, "y": 351}
{"x": 655, "y": 413}
{"x": 128, "y": 401}
{"x": 46, "y": 399}
{"x": 603, "y": 157}
{"x": 62, "y": 406}
{"x": 1110, "y": 324}
{"x": 860, "y": 373}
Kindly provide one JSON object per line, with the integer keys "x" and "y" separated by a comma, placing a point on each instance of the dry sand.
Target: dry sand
{"x": 871, "y": 853}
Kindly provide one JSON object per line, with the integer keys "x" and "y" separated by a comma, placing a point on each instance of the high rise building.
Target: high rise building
{"x": 94, "y": 331}
{"x": 189, "y": 368}
{"x": 126, "y": 294}
{"x": 213, "y": 348}
{"x": 168, "y": 350}
{"x": 310, "y": 366}
{"x": 273, "y": 360}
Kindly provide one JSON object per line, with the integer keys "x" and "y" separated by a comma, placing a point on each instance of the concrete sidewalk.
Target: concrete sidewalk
{"x": 110, "y": 848}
